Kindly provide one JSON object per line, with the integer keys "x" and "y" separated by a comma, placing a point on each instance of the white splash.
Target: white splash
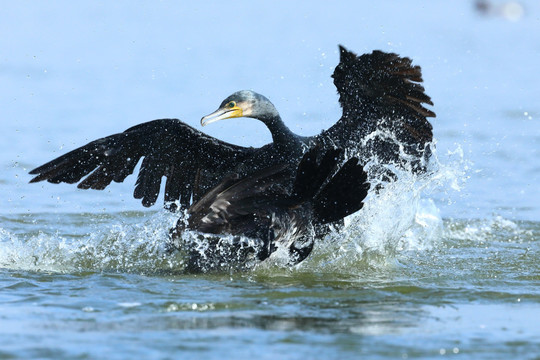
{"x": 400, "y": 217}
{"x": 136, "y": 248}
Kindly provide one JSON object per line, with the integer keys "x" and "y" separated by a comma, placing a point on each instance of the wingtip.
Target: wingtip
{"x": 344, "y": 53}
{"x": 39, "y": 177}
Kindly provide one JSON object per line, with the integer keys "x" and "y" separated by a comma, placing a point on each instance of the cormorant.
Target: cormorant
{"x": 383, "y": 117}
{"x": 261, "y": 216}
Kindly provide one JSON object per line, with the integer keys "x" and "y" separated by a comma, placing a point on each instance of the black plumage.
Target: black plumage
{"x": 377, "y": 91}
{"x": 383, "y": 112}
{"x": 258, "y": 207}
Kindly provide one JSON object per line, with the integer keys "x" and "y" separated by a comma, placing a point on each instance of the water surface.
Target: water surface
{"x": 438, "y": 265}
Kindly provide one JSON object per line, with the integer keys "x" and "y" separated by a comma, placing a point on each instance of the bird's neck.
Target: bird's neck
{"x": 281, "y": 135}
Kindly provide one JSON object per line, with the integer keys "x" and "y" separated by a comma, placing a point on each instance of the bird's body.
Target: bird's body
{"x": 259, "y": 215}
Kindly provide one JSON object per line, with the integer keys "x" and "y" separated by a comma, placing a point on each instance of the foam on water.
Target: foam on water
{"x": 121, "y": 247}
{"x": 400, "y": 216}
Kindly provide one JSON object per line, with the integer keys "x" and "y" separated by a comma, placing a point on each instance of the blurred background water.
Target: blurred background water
{"x": 440, "y": 266}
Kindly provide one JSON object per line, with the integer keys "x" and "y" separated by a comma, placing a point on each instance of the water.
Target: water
{"x": 440, "y": 265}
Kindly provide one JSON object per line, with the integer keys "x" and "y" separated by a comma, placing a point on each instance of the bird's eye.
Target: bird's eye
{"x": 231, "y": 104}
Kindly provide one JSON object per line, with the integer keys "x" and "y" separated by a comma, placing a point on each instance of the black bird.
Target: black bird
{"x": 261, "y": 216}
{"x": 383, "y": 117}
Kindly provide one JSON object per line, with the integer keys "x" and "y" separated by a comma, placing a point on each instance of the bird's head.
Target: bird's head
{"x": 245, "y": 103}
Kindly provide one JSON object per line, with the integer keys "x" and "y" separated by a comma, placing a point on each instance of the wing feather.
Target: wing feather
{"x": 381, "y": 91}
{"x": 168, "y": 148}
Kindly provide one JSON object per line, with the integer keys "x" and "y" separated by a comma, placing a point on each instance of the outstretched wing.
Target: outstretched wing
{"x": 381, "y": 91}
{"x": 191, "y": 161}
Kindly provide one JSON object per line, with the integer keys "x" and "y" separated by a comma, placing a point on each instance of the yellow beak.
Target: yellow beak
{"x": 221, "y": 114}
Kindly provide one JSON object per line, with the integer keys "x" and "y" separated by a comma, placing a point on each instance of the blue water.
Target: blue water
{"x": 445, "y": 265}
